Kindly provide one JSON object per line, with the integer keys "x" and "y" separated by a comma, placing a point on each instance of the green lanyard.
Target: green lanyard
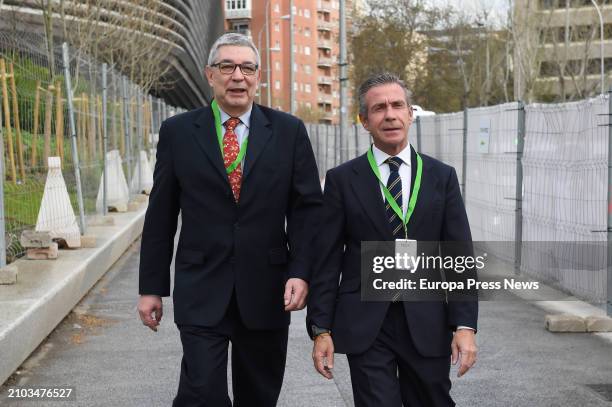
{"x": 413, "y": 196}
{"x": 219, "y": 129}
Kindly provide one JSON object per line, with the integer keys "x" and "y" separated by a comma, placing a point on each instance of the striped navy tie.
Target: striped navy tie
{"x": 394, "y": 185}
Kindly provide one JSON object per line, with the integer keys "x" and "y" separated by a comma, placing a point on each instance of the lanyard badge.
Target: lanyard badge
{"x": 219, "y": 130}
{"x": 413, "y": 195}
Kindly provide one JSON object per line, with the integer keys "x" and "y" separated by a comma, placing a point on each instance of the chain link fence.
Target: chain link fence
{"x": 108, "y": 115}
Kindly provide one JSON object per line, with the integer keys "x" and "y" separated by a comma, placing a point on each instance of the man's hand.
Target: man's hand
{"x": 464, "y": 349}
{"x": 296, "y": 291}
{"x": 323, "y": 355}
{"x": 147, "y": 306}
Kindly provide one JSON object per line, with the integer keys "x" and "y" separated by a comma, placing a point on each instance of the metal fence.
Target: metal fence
{"x": 108, "y": 112}
{"x": 527, "y": 173}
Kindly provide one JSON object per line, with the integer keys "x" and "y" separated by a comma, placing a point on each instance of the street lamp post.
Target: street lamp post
{"x": 291, "y": 61}
{"x": 266, "y": 26}
{"x": 601, "y": 47}
{"x": 268, "y": 91}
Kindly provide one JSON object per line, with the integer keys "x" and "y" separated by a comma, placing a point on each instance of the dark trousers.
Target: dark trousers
{"x": 391, "y": 373}
{"x": 258, "y": 364}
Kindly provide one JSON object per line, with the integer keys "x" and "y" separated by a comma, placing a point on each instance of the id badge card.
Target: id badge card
{"x": 405, "y": 254}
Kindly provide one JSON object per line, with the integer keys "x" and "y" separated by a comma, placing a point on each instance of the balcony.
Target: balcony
{"x": 325, "y": 62}
{"x": 238, "y": 14}
{"x": 324, "y": 44}
{"x": 326, "y": 116}
{"x": 325, "y": 99}
{"x": 324, "y": 25}
{"x": 324, "y": 6}
{"x": 325, "y": 80}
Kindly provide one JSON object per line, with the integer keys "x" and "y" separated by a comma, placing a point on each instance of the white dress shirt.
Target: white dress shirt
{"x": 404, "y": 172}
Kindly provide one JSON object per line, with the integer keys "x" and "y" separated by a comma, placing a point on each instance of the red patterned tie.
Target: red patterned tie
{"x": 231, "y": 148}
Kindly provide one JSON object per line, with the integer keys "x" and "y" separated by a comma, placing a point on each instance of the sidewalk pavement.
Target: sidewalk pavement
{"x": 110, "y": 358}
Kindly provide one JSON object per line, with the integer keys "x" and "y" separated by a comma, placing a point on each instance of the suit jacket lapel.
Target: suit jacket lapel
{"x": 206, "y": 137}
{"x": 259, "y": 134}
{"x": 367, "y": 188}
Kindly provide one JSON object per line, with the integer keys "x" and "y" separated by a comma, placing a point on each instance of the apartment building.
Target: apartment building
{"x": 315, "y": 34}
{"x": 558, "y": 49}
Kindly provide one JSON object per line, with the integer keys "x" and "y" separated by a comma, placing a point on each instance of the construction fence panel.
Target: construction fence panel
{"x": 565, "y": 194}
{"x": 491, "y": 175}
{"x": 35, "y": 126}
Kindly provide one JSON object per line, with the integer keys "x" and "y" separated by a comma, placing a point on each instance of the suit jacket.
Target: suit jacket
{"x": 251, "y": 247}
{"x": 354, "y": 212}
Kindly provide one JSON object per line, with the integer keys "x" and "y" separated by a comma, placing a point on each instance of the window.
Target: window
{"x": 276, "y": 27}
{"x": 295, "y": 67}
{"x": 307, "y": 88}
{"x": 307, "y": 69}
{"x": 308, "y": 105}
{"x": 277, "y": 66}
{"x": 301, "y": 87}
{"x": 295, "y": 86}
{"x": 277, "y": 85}
{"x": 299, "y": 12}
{"x": 307, "y": 13}
{"x": 306, "y": 32}
{"x": 294, "y": 10}
{"x": 277, "y": 44}
{"x": 307, "y": 50}
{"x": 277, "y": 8}
{"x": 235, "y": 4}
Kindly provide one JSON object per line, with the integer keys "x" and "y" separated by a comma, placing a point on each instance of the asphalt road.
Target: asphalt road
{"x": 104, "y": 352}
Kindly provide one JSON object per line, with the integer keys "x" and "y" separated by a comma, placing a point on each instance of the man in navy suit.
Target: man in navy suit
{"x": 398, "y": 352}
{"x": 245, "y": 181}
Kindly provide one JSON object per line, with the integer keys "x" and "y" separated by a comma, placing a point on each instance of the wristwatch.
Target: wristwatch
{"x": 316, "y": 331}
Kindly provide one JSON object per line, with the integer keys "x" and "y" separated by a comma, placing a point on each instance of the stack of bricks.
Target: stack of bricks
{"x": 39, "y": 245}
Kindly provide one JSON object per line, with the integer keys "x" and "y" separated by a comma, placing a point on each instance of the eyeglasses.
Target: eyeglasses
{"x": 228, "y": 68}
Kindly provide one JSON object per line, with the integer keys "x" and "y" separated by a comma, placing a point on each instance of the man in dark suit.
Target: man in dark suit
{"x": 398, "y": 352}
{"x": 245, "y": 181}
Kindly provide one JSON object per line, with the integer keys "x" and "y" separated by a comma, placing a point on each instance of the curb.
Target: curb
{"x": 47, "y": 290}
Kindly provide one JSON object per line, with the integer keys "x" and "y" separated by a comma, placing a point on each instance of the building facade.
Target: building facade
{"x": 316, "y": 51}
{"x": 557, "y": 53}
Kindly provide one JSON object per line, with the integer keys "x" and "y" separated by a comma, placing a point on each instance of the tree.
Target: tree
{"x": 387, "y": 40}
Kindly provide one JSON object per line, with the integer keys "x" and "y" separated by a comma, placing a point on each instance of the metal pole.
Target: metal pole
{"x": 268, "y": 68}
{"x": 105, "y": 144}
{"x": 601, "y": 46}
{"x": 291, "y": 61}
{"x": 336, "y": 145}
{"x": 518, "y": 212}
{"x": 609, "y": 234}
{"x": 318, "y": 148}
{"x": 2, "y": 220}
{"x": 139, "y": 135}
{"x": 464, "y": 154}
{"x": 159, "y": 116}
{"x": 326, "y": 147}
{"x": 418, "y": 126}
{"x": 128, "y": 124}
{"x": 356, "y": 133}
{"x": 343, "y": 73}
{"x": 75, "y": 152}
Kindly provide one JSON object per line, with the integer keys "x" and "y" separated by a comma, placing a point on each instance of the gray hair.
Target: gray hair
{"x": 235, "y": 39}
{"x": 377, "y": 80}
